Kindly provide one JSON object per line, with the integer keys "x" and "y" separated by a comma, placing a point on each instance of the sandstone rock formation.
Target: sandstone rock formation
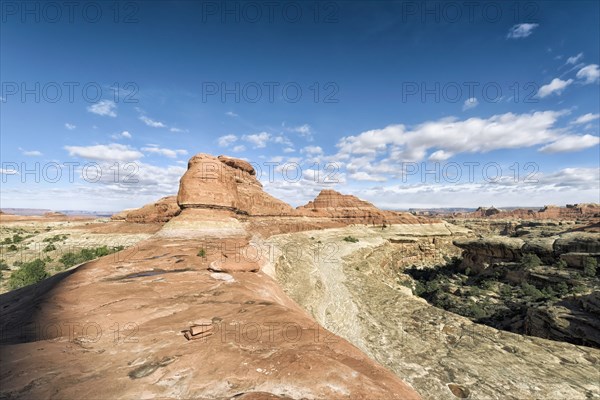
{"x": 570, "y": 212}
{"x": 352, "y": 210}
{"x": 226, "y": 183}
{"x": 161, "y": 211}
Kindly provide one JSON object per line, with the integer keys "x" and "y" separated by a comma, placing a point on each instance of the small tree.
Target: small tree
{"x": 561, "y": 264}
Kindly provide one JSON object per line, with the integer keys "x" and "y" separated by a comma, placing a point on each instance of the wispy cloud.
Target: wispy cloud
{"x": 570, "y": 143}
{"x": 109, "y": 152}
{"x": 70, "y": 126}
{"x": 226, "y": 140}
{"x": 152, "y": 123}
{"x": 574, "y": 59}
{"x": 164, "y": 151}
{"x": 258, "y": 140}
{"x": 30, "y": 153}
{"x": 104, "y": 107}
{"x": 521, "y": 31}
{"x": 585, "y": 118}
{"x": 231, "y": 114}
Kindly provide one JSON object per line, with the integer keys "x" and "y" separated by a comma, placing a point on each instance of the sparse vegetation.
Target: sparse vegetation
{"x": 590, "y": 265}
{"x": 49, "y": 247}
{"x": 201, "y": 253}
{"x": 350, "y": 239}
{"x": 29, "y": 273}
{"x": 530, "y": 260}
{"x": 70, "y": 259}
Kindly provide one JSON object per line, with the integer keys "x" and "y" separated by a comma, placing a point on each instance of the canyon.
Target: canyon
{"x": 310, "y": 302}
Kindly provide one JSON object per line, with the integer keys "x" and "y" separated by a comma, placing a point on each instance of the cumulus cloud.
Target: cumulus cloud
{"x": 312, "y": 150}
{"x": 589, "y": 73}
{"x": 258, "y": 140}
{"x": 521, "y": 31}
{"x": 104, "y": 108}
{"x": 440, "y": 155}
{"x": 397, "y": 143}
{"x": 556, "y": 86}
{"x": 101, "y": 152}
{"x": 164, "y": 151}
{"x": 225, "y": 141}
{"x": 70, "y": 126}
{"x": 177, "y": 130}
{"x": 570, "y": 143}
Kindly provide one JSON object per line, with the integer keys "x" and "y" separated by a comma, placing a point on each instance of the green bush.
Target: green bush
{"x": 7, "y": 241}
{"x": 531, "y": 291}
{"x": 561, "y": 264}
{"x": 70, "y": 259}
{"x": 50, "y": 247}
{"x": 590, "y": 265}
{"x": 3, "y": 266}
{"x": 350, "y": 239}
{"x": 30, "y": 273}
{"x": 562, "y": 289}
{"x": 17, "y": 238}
{"x": 201, "y": 253}
{"x": 12, "y": 247}
{"x": 530, "y": 260}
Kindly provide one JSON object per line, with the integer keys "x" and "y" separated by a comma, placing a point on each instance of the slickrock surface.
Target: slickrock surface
{"x": 356, "y": 291}
{"x": 116, "y": 327}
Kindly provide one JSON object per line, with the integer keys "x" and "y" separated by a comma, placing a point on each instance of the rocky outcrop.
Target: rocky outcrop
{"x": 226, "y": 183}
{"x": 159, "y": 212}
{"x": 481, "y": 253}
{"x": 570, "y": 212}
{"x": 332, "y": 204}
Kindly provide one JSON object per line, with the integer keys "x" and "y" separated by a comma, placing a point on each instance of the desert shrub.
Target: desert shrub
{"x": 419, "y": 289}
{"x": 506, "y": 291}
{"x": 350, "y": 239}
{"x": 201, "y": 253}
{"x": 475, "y": 311}
{"x": 531, "y": 291}
{"x": 561, "y": 264}
{"x": 12, "y": 247}
{"x": 530, "y": 260}
{"x": 30, "y": 273}
{"x": 3, "y": 266}
{"x": 50, "y": 247}
{"x": 590, "y": 265}
{"x": 7, "y": 241}
{"x": 70, "y": 259}
{"x": 17, "y": 238}
{"x": 562, "y": 289}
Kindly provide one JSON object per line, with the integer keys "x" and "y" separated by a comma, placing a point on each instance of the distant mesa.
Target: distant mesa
{"x": 570, "y": 212}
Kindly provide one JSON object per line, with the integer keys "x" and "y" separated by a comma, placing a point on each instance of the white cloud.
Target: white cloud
{"x": 521, "y": 31}
{"x": 225, "y": 141}
{"x": 239, "y": 148}
{"x": 289, "y": 150}
{"x": 5, "y": 171}
{"x": 259, "y": 140}
{"x": 30, "y": 153}
{"x": 126, "y": 134}
{"x": 440, "y": 155}
{"x": 110, "y": 152}
{"x": 231, "y": 114}
{"x": 570, "y": 143}
{"x": 556, "y": 86}
{"x": 363, "y": 176}
{"x": 177, "y": 130}
{"x": 312, "y": 150}
{"x": 396, "y": 143}
{"x": 303, "y": 130}
{"x": 573, "y": 60}
{"x": 589, "y": 117}
{"x": 589, "y": 73}
{"x": 470, "y": 103}
{"x": 165, "y": 152}
{"x": 70, "y": 126}
{"x": 152, "y": 123}
{"x": 104, "y": 108}
{"x": 282, "y": 140}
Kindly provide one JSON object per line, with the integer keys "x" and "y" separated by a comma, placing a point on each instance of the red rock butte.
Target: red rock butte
{"x": 254, "y": 342}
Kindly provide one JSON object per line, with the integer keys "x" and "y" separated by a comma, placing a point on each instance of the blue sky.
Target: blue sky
{"x": 405, "y": 104}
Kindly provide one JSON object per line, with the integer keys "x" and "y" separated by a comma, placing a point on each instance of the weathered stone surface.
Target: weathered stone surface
{"x": 161, "y": 211}
{"x": 577, "y": 242}
{"x": 351, "y": 209}
{"x": 570, "y": 212}
{"x": 483, "y": 252}
{"x": 227, "y": 183}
